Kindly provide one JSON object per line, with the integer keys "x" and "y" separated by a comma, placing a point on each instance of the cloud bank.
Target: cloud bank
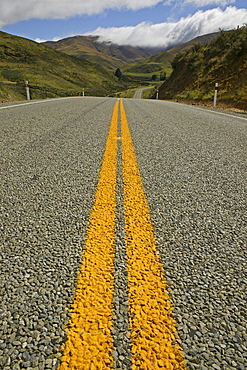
{"x": 167, "y": 34}
{"x": 12, "y": 11}
{"x": 199, "y": 3}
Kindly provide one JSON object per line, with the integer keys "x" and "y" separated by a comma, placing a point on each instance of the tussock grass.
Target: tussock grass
{"x": 50, "y": 73}
{"x": 223, "y": 60}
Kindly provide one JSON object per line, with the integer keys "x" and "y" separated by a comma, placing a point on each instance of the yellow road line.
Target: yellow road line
{"x": 153, "y": 333}
{"x": 89, "y": 344}
{"x": 153, "y": 330}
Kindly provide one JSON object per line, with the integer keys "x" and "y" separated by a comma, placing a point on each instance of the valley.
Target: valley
{"x": 186, "y": 72}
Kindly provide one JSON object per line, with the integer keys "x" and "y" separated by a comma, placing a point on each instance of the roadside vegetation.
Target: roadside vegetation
{"x": 50, "y": 73}
{"x": 146, "y": 93}
{"x": 195, "y": 72}
{"x": 129, "y": 93}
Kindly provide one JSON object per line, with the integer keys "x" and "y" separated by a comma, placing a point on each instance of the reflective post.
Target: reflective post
{"x": 215, "y": 93}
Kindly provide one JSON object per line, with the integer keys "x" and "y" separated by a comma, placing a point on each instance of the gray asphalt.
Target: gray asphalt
{"x": 50, "y": 159}
{"x": 138, "y": 93}
{"x": 193, "y": 166}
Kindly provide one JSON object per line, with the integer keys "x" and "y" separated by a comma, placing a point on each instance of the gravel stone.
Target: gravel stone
{"x": 193, "y": 166}
{"x": 51, "y": 155}
{"x": 121, "y": 335}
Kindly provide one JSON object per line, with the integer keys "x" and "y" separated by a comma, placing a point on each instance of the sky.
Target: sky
{"x": 143, "y": 23}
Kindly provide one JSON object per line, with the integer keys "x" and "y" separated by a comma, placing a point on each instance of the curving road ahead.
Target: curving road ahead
{"x": 192, "y": 165}
{"x": 138, "y": 93}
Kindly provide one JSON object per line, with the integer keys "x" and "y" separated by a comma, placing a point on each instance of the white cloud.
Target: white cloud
{"x": 167, "y": 34}
{"x": 12, "y": 11}
{"x": 40, "y": 40}
{"x": 199, "y": 3}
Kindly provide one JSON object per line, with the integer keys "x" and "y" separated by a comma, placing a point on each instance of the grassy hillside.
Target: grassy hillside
{"x": 50, "y": 73}
{"x": 83, "y": 48}
{"x": 107, "y": 55}
{"x": 223, "y": 60}
{"x": 161, "y": 62}
{"x": 137, "y": 65}
{"x": 156, "y": 64}
{"x": 204, "y": 39}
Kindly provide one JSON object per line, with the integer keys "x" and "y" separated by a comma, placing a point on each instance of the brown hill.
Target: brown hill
{"x": 107, "y": 55}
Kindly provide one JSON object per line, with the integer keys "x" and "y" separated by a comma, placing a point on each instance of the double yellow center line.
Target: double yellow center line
{"x": 153, "y": 333}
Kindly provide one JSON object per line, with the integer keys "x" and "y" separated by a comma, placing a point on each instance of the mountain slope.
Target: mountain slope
{"x": 204, "y": 39}
{"x": 107, "y": 55}
{"x": 223, "y": 60}
{"x": 50, "y": 73}
{"x": 133, "y": 61}
{"x": 155, "y": 64}
{"x": 161, "y": 62}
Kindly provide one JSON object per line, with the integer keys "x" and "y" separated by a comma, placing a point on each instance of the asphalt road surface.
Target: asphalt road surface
{"x": 60, "y": 160}
{"x": 138, "y": 93}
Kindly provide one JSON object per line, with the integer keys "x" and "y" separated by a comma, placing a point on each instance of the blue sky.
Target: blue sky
{"x": 135, "y": 22}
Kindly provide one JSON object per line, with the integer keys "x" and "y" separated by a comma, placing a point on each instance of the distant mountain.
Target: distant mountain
{"x": 107, "y": 55}
{"x": 134, "y": 62}
{"x": 161, "y": 62}
{"x": 154, "y": 65}
{"x": 64, "y": 67}
{"x": 195, "y": 72}
{"x": 204, "y": 39}
{"x": 50, "y": 73}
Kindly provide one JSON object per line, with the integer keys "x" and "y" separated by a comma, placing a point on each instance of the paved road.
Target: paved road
{"x": 138, "y": 93}
{"x": 193, "y": 168}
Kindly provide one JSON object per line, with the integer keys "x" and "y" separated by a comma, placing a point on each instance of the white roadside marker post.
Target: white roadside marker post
{"x": 27, "y": 90}
{"x": 157, "y": 94}
{"x": 83, "y": 92}
{"x": 215, "y": 93}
